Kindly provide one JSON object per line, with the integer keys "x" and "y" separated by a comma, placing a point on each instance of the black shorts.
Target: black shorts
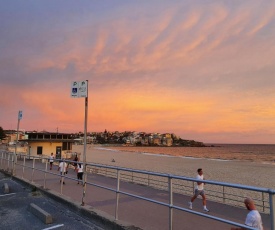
{"x": 79, "y": 175}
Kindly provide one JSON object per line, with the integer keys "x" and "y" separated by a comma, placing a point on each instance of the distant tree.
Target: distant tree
{"x": 2, "y": 133}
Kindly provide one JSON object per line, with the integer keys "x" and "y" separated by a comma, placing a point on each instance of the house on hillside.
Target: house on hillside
{"x": 167, "y": 139}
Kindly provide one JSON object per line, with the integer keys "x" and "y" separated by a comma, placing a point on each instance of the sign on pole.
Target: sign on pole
{"x": 20, "y": 115}
{"x": 79, "y": 89}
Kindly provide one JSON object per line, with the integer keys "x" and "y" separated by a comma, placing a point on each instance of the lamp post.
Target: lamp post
{"x": 20, "y": 114}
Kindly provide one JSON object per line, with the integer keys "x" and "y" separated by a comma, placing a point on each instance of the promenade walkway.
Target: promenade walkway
{"x": 143, "y": 214}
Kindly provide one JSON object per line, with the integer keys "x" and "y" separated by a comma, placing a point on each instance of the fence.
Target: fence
{"x": 230, "y": 194}
{"x": 218, "y": 193}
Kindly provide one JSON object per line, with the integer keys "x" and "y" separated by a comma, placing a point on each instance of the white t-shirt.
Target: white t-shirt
{"x": 79, "y": 168}
{"x": 51, "y": 158}
{"x": 253, "y": 219}
{"x": 199, "y": 186}
{"x": 61, "y": 165}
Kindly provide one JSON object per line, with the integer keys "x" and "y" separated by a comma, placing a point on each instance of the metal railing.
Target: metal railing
{"x": 215, "y": 193}
{"x": 263, "y": 197}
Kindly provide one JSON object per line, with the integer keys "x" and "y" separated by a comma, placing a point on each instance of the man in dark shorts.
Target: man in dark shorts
{"x": 51, "y": 161}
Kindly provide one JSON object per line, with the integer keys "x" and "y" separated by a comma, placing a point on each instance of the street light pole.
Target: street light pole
{"x": 15, "y": 150}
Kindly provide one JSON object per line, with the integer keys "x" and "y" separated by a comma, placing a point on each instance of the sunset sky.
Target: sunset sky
{"x": 202, "y": 69}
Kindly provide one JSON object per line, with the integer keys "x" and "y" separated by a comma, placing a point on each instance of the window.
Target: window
{"x": 66, "y": 146}
{"x": 39, "y": 150}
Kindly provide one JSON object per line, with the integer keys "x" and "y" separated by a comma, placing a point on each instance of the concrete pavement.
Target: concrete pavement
{"x": 15, "y": 214}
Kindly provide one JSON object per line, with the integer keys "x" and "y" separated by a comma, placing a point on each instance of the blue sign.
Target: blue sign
{"x": 20, "y": 115}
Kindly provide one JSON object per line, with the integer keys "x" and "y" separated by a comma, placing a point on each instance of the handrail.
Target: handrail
{"x": 6, "y": 159}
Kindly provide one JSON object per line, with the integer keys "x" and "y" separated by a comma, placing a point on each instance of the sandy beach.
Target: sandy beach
{"x": 236, "y": 168}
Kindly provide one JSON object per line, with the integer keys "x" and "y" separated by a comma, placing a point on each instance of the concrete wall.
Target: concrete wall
{"x": 47, "y": 148}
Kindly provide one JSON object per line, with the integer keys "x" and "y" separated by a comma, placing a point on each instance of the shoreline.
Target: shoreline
{"x": 221, "y": 154}
{"x": 188, "y": 157}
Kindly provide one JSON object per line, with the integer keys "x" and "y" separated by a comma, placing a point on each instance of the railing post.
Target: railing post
{"x": 8, "y": 162}
{"x": 263, "y": 201}
{"x": 24, "y": 164}
{"x": 2, "y": 160}
{"x": 13, "y": 164}
{"x": 45, "y": 174}
{"x": 117, "y": 193}
{"x": 62, "y": 176}
{"x": 170, "y": 180}
{"x": 223, "y": 196}
{"x": 33, "y": 164}
{"x": 84, "y": 183}
{"x": 272, "y": 211}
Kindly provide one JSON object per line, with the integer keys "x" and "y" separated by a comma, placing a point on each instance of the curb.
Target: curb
{"x": 44, "y": 216}
{"x": 6, "y": 188}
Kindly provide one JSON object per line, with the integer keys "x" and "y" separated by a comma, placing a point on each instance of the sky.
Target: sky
{"x": 201, "y": 69}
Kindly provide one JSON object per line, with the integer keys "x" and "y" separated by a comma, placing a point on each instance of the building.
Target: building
{"x": 45, "y": 143}
{"x": 167, "y": 139}
{"x": 11, "y": 136}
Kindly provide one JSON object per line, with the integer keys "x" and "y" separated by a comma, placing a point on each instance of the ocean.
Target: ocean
{"x": 247, "y": 152}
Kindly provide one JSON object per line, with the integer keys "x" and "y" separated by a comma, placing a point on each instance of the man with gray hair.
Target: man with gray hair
{"x": 253, "y": 218}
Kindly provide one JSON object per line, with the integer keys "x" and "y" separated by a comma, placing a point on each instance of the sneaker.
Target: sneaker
{"x": 206, "y": 210}
{"x": 190, "y": 205}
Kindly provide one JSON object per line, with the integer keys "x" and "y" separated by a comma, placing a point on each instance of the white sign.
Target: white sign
{"x": 79, "y": 89}
{"x": 20, "y": 115}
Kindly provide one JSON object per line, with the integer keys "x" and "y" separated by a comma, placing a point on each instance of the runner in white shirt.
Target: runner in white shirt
{"x": 199, "y": 190}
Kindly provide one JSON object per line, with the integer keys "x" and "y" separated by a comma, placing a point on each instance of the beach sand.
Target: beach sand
{"x": 237, "y": 169}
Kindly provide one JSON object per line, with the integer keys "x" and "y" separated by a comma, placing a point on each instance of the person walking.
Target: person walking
{"x": 253, "y": 218}
{"x": 79, "y": 170}
{"x": 62, "y": 168}
{"x": 51, "y": 161}
{"x": 75, "y": 161}
{"x": 199, "y": 190}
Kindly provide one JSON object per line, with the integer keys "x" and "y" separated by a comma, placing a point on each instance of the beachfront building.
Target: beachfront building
{"x": 45, "y": 143}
